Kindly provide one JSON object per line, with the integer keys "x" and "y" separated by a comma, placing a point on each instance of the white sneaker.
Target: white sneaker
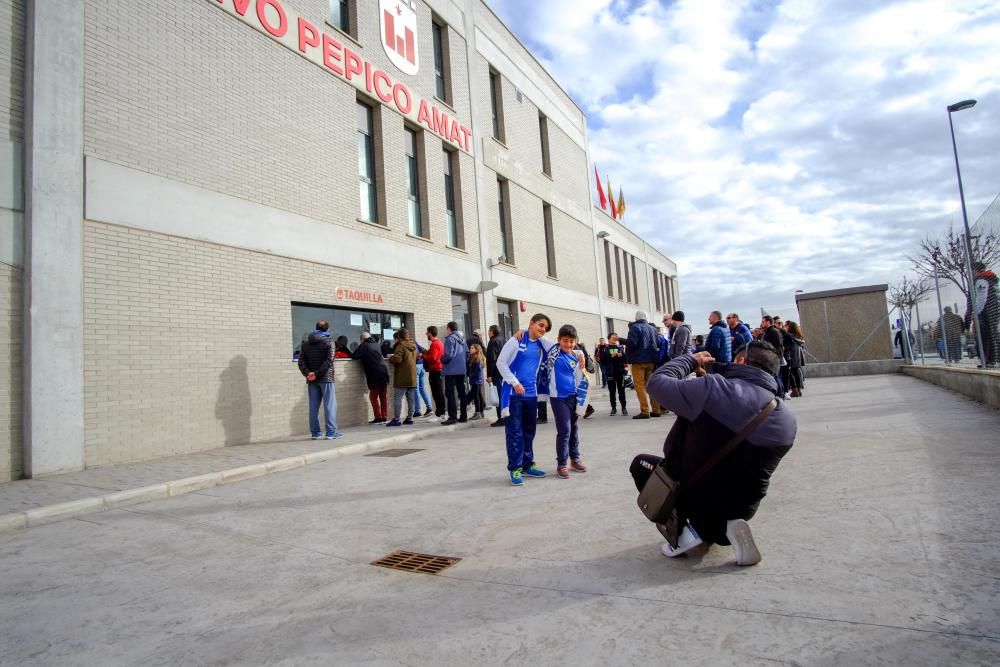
{"x": 688, "y": 540}
{"x": 739, "y": 535}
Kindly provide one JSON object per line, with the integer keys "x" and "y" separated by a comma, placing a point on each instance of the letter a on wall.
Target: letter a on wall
{"x": 398, "y": 19}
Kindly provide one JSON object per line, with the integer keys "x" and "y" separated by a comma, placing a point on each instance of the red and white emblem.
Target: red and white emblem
{"x": 398, "y": 19}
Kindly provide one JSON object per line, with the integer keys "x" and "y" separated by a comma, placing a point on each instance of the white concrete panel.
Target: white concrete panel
{"x": 54, "y": 239}
{"x": 517, "y": 72}
{"x": 513, "y": 287}
{"x": 132, "y": 198}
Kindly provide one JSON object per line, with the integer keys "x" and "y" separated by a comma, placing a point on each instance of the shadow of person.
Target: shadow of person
{"x": 298, "y": 420}
{"x": 233, "y": 407}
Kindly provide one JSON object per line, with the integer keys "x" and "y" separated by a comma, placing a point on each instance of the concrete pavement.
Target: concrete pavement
{"x": 876, "y": 537}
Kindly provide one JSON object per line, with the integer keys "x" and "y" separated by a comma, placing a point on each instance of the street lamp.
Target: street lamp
{"x": 961, "y": 106}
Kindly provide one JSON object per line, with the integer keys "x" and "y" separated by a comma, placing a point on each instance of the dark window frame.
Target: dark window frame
{"x": 370, "y": 178}
{"x": 607, "y": 270}
{"x": 550, "y": 242}
{"x": 453, "y": 198}
{"x": 506, "y": 228}
{"x": 496, "y": 106}
{"x": 543, "y": 131}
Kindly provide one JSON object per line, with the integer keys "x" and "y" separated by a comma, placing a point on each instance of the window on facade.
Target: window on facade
{"x": 456, "y": 237}
{"x": 618, "y": 270}
{"x": 340, "y": 15}
{"x": 550, "y": 243}
{"x": 366, "y": 163}
{"x": 635, "y": 282}
{"x": 628, "y": 281}
{"x": 610, "y": 324}
{"x": 496, "y": 106}
{"x": 442, "y": 76}
{"x": 506, "y": 242}
{"x": 607, "y": 269}
{"x": 412, "y": 169}
{"x": 668, "y": 291}
{"x": 348, "y": 322}
{"x": 656, "y": 290}
{"x": 543, "y": 129}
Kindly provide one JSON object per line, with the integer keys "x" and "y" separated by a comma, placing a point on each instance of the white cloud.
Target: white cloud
{"x": 779, "y": 146}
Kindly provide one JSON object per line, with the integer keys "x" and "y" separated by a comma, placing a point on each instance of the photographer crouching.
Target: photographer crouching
{"x": 729, "y": 436}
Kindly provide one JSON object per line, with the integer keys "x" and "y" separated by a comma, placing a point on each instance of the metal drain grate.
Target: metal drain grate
{"x": 393, "y": 453}
{"x": 410, "y": 561}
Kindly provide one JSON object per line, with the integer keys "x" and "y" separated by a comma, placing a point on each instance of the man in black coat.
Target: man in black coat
{"x": 771, "y": 334}
{"x": 316, "y": 364}
{"x": 710, "y": 410}
{"x": 492, "y": 373}
{"x": 376, "y": 376}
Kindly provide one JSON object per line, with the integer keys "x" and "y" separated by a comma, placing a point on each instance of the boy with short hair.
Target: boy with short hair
{"x": 566, "y": 373}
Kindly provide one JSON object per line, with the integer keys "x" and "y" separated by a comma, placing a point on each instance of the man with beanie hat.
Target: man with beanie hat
{"x": 642, "y": 351}
{"x": 680, "y": 340}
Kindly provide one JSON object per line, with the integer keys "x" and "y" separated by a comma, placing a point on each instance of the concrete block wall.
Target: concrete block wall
{"x": 209, "y": 101}
{"x": 12, "y": 62}
{"x": 11, "y": 289}
{"x": 179, "y": 356}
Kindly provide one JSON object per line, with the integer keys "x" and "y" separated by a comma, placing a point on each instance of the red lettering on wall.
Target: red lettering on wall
{"x": 440, "y": 123}
{"x": 382, "y": 77}
{"x": 466, "y": 136}
{"x": 368, "y": 77}
{"x": 424, "y": 115}
{"x": 312, "y": 39}
{"x": 455, "y": 136}
{"x": 241, "y": 6}
{"x": 331, "y": 52}
{"x": 399, "y": 90}
{"x": 282, "y": 27}
{"x": 352, "y": 64}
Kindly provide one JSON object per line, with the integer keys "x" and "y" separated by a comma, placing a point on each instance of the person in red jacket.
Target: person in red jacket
{"x": 433, "y": 365}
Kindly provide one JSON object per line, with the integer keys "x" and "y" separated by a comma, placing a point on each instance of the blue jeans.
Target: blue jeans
{"x": 520, "y": 431}
{"x": 422, "y": 389}
{"x": 327, "y": 393}
{"x": 567, "y": 433}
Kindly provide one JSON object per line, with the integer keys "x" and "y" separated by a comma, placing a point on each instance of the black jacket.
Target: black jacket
{"x": 773, "y": 336}
{"x": 316, "y": 356}
{"x": 710, "y": 410}
{"x": 492, "y": 354}
{"x": 373, "y": 363}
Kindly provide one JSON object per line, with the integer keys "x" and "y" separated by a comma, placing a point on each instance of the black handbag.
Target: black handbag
{"x": 658, "y": 498}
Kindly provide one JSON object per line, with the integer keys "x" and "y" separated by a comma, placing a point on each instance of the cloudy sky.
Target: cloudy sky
{"x": 774, "y": 146}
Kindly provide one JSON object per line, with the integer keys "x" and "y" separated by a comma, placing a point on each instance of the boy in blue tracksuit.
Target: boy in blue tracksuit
{"x": 566, "y": 374}
{"x": 519, "y": 364}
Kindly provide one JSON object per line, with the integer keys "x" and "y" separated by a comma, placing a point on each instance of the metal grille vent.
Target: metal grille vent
{"x": 410, "y": 561}
{"x": 394, "y": 453}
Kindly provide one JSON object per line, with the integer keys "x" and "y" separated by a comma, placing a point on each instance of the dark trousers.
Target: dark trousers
{"x": 605, "y": 374}
{"x": 616, "y": 383}
{"x": 543, "y": 411}
{"x": 781, "y": 384}
{"x": 475, "y": 395}
{"x": 710, "y": 526}
{"x": 520, "y": 431}
{"x": 567, "y": 433}
{"x": 437, "y": 391}
{"x": 455, "y": 384}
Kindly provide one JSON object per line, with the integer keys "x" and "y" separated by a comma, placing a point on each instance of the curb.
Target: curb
{"x": 39, "y": 516}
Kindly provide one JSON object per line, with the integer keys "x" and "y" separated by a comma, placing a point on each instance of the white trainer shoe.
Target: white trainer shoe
{"x": 739, "y": 535}
{"x": 688, "y": 540}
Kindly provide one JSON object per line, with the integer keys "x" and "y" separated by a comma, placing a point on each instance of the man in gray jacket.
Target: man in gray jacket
{"x": 680, "y": 340}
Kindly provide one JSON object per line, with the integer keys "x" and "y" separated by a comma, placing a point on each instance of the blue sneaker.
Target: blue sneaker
{"x": 316, "y": 436}
{"x": 533, "y": 471}
{"x": 335, "y": 436}
{"x": 395, "y": 422}
{"x": 515, "y": 477}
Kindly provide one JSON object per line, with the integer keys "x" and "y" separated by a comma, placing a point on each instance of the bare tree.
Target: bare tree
{"x": 906, "y": 294}
{"x": 949, "y": 252}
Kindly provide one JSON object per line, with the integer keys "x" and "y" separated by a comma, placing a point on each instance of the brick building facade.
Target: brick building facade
{"x": 193, "y": 180}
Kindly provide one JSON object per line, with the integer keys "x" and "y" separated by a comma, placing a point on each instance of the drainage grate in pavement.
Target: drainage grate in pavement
{"x": 410, "y": 561}
{"x": 393, "y": 453}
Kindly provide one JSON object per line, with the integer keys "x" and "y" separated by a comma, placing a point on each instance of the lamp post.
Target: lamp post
{"x": 952, "y": 108}
{"x": 941, "y": 327}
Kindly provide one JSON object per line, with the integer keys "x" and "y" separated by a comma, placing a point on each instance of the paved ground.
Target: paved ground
{"x": 877, "y": 539}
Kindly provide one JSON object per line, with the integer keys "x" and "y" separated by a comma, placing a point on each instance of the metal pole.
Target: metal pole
{"x": 944, "y": 330}
{"x": 968, "y": 249}
{"x": 904, "y": 327}
{"x": 920, "y": 335}
{"x": 826, "y": 321}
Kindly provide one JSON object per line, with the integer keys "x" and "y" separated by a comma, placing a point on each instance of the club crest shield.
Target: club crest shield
{"x": 398, "y": 20}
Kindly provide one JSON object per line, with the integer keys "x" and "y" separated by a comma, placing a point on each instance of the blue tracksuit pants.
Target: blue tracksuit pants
{"x": 520, "y": 430}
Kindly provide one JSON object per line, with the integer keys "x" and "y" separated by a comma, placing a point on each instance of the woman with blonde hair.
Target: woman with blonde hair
{"x": 796, "y": 357}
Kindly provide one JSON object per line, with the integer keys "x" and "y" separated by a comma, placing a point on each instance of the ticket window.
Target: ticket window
{"x": 348, "y": 322}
